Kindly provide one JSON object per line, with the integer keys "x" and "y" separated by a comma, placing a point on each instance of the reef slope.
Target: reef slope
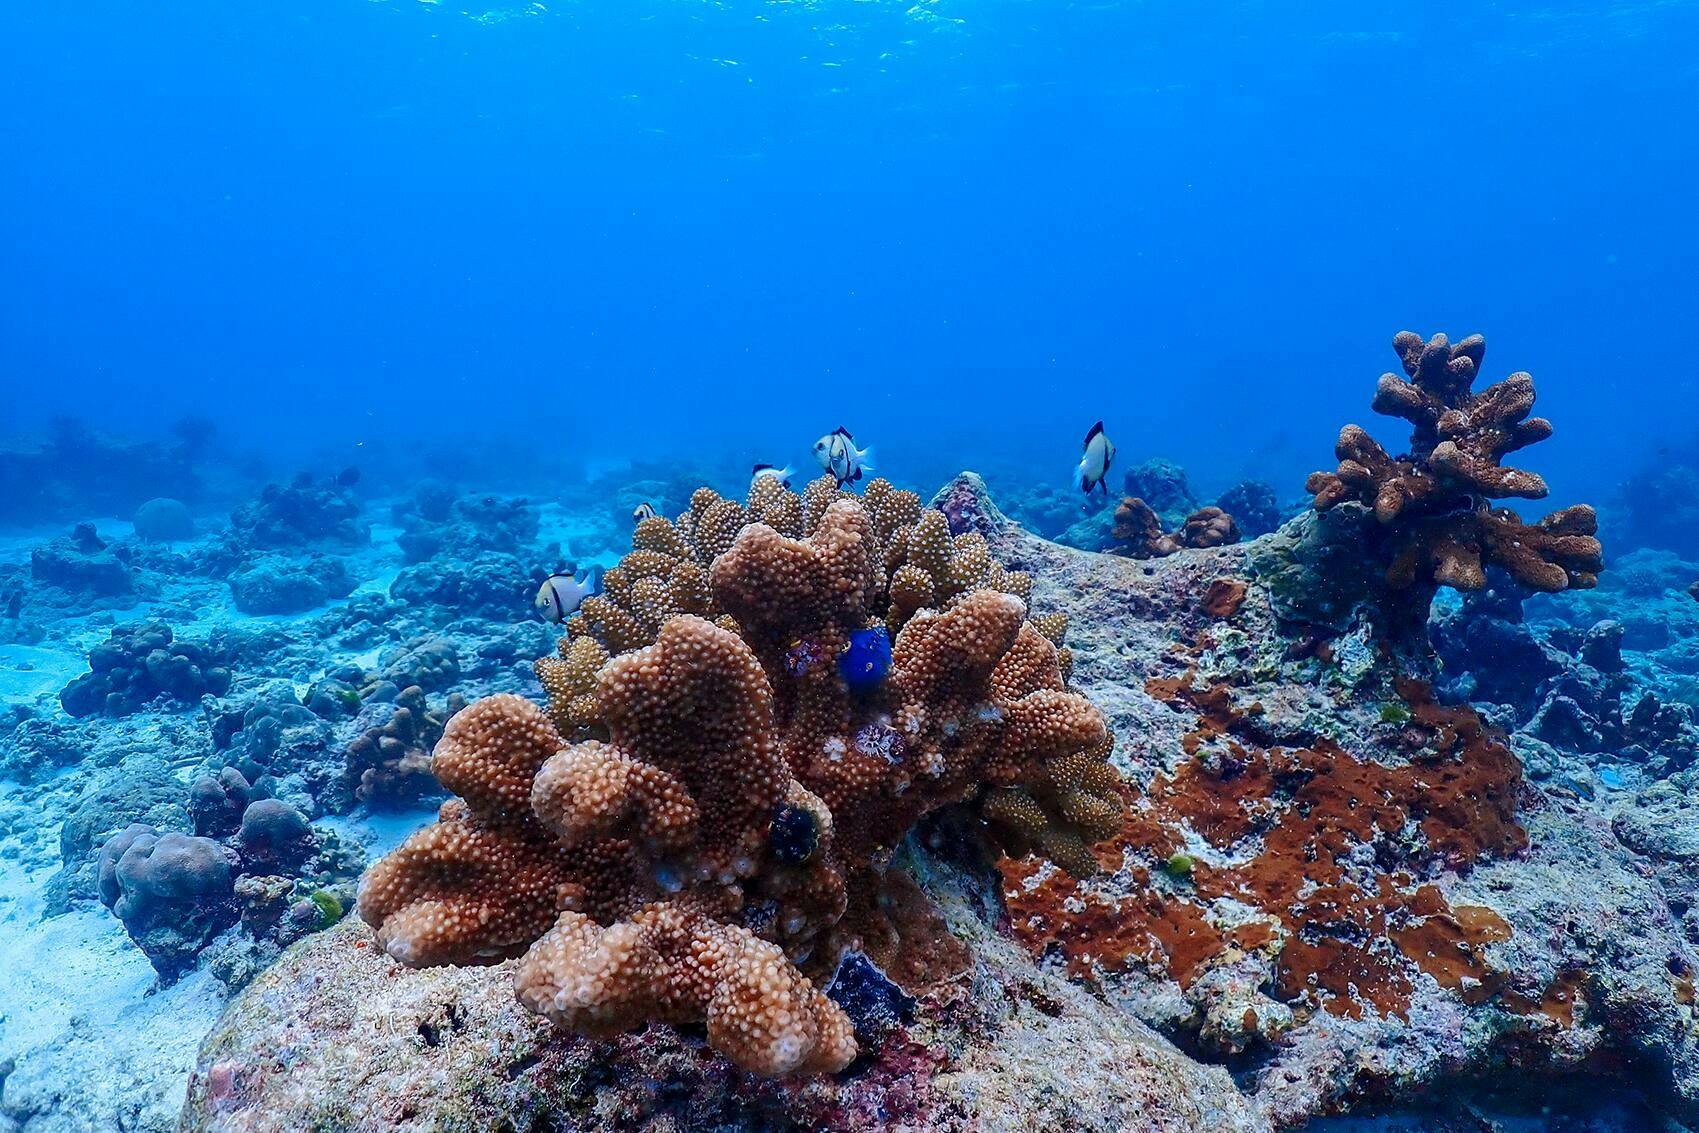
{"x": 339, "y": 1036}
{"x": 1327, "y": 883}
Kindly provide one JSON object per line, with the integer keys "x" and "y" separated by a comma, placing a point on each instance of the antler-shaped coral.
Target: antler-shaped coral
{"x": 1432, "y": 500}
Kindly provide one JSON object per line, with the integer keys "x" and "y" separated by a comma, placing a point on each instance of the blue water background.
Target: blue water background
{"x": 965, "y": 229}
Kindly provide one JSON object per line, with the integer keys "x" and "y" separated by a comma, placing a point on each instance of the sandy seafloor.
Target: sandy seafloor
{"x": 88, "y": 1040}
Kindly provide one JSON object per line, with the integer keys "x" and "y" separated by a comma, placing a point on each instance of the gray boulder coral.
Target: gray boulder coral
{"x": 164, "y": 520}
{"x": 172, "y": 891}
{"x": 276, "y": 584}
{"x": 141, "y": 662}
{"x": 83, "y": 563}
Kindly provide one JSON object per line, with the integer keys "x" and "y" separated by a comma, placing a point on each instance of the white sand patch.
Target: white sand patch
{"x": 28, "y": 672}
{"x": 93, "y": 1047}
{"x": 378, "y": 833}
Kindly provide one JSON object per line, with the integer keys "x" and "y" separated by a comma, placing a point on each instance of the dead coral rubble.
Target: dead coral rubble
{"x": 1433, "y": 502}
{"x": 704, "y": 817}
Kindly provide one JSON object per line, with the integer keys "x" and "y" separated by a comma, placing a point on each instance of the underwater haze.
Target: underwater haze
{"x": 659, "y": 228}
{"x": 848, "y": 566}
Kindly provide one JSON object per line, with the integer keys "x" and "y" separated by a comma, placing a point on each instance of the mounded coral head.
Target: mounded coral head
{"x": 1138, "y": 533}
{"x": 164, "y": 520}
{"x": 1209, "y": 527}
{"x": 139, "y": 662}
{"x": 387, "y": 764}
{"x": 141, "y": 868}
{"x": 1253, "y": 506}
{"x": 172, "y": 891}
{"x": 1432, "y": 502}
{"x": 702, "y": 820}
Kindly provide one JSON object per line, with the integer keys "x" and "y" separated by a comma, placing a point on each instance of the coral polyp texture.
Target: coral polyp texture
{"x": 1433, "y": 502}
{"x": 741, "y": 731}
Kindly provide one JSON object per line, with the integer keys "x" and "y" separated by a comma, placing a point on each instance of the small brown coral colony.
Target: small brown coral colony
{"x": 1138, "y": 533}
{"x": 1432, "y": 502}
{"x": 705, "y": 814}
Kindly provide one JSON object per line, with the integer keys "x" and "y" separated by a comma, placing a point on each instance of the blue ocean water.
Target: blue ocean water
{"x": 408, "y": 308}
{"x": 965, "y": 230}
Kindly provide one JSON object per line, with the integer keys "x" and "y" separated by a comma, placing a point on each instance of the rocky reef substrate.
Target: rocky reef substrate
{"x": 1334, "y": 890}
{"x": 1356, "y": 869}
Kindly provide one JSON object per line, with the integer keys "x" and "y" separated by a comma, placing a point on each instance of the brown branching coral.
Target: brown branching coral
{"x": 705, "y": 816}
{"x": 570, "y": 681}
{"x": 651, "y": 835}
{"x": 915, "y": 563}
{"x": 1432, "y": 502}
{"x": 1061, "y": 817}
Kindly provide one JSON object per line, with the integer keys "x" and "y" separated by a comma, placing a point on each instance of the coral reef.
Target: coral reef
{"x": 1328, "y": 879}
{"x": 83, "y": 563}
{"x": 1158, "y": 515}
{"x": 306, "y": 513}
{"x": 1164, "y": 486}
{"x": 275, "y": 584}
{"x": 1342, "y": 939}
{"x": 1254, "y": 507}
{"x": 138, "y": 663}
{"x": 1560, "y": 687}
{"x": 1344, "y": 890}
{"x": 269, "y": 732}
{"x": 357, "y": 736}
{"x": 1436, "y": 523}
{"x": 435, "y": 523}
{"x": 738, "y": 817}
{"x": 388, "y": 763}
{"x": 485, "y": 585}
{"x": 1011, "y": 1049}
{"x": 163, "y": 520}
{"x": 1045, "y": 509}
{"x": 174, "y": 892}
{"x": 430, "y": 661}
{"x": 34, "y": 748}
{"x": 252, "y": 859}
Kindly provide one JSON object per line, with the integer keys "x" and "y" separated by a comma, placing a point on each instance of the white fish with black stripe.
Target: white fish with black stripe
{"x": 768, "y": 472}
{"x": 1094, "y": 465}
{"x": 642, "y": 511}
{"x": 838, "y": 455}
{"x": 561, "y": 594}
